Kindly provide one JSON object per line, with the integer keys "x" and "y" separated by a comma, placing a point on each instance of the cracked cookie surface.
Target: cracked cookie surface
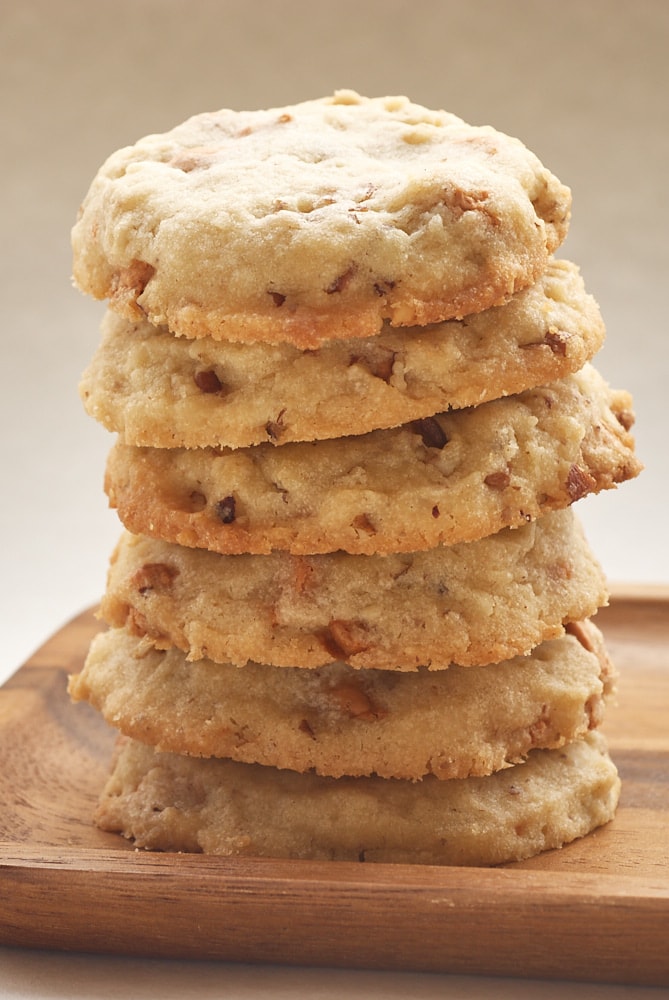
{"x": 317, "y": 221}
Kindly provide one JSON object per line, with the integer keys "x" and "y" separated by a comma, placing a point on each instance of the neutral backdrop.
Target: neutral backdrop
{"x": 585, "y": 85}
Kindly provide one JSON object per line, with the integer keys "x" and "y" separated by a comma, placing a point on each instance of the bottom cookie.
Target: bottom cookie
{"x": 168, "y": 802}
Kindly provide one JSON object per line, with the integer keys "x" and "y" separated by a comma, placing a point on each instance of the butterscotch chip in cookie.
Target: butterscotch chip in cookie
{"x": 317, "y": 221}
{"x": 473, "y": 603}
{"x": 162, "y": 391}
{"x": 439, "y": 481}
{"x": 338, "y": 721}
{"x": 178, "y": 803}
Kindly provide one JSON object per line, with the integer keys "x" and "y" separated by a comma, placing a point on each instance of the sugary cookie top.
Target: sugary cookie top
{"x": 315, "y": 221}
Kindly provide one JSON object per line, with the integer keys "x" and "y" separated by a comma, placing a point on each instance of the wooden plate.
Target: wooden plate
{"x": 596, "y": 910}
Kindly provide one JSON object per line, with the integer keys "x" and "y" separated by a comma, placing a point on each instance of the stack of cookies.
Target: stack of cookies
{"x": 354, "y": 400}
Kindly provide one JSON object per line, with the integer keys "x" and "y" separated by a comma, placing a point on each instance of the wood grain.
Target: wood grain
{"x": 597, "y": 910}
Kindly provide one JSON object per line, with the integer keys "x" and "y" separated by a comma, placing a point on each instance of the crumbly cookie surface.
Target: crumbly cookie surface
{"x": 176, "y": 803}
{"x": 316, "y": 221}
{"x": 337, "y": 721}
{"x": 443, "y": 480}
{"x": 474, "y": 603}
{"x": 162, "y": 391}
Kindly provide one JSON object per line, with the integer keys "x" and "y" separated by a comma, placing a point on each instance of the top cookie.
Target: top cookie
{"x": 317, "y": 221}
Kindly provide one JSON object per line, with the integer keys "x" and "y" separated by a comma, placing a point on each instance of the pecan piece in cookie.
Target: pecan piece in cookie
{"x": 460, "y": 201}
{"x": 129, "y": 283}
{"x": 352, "y": 701}
{"x": 208, "y": 381}
{"x": 363, "y": 523}
{"x": 383, "y": 287}
{"x": 379, "y": 362}
{"x": 154, "y": 576}
{"x": 194, "y": 158}
{"x": 226, "y": 510}
{"x": 625, "y": 418}
{"x": 276, "y": 428}
{"x": 431, "y": 431}
{"x": 557, "y": 341}
{"x": 340, "y": 282}
{"x": 537, "y": 731}
{"x": 137, "y": 624}
{"x": 498, "y": 480}
{"x": 579, "y": 483}
{"x": 580, "y": 632}
{"x": 345, "y": 638}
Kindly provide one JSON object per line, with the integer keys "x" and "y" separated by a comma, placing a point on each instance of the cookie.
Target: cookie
{"x": 316, "y": 221}
{"x": 162, "y": 391}
{"x": 451, "y": 478}
{"x": 338, "y": 721}
{"x": 171, "y": 802}
{"x": 474, "y": 603}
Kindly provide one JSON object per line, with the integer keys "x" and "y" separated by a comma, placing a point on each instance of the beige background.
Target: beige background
{"x": 584, "y": 84}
